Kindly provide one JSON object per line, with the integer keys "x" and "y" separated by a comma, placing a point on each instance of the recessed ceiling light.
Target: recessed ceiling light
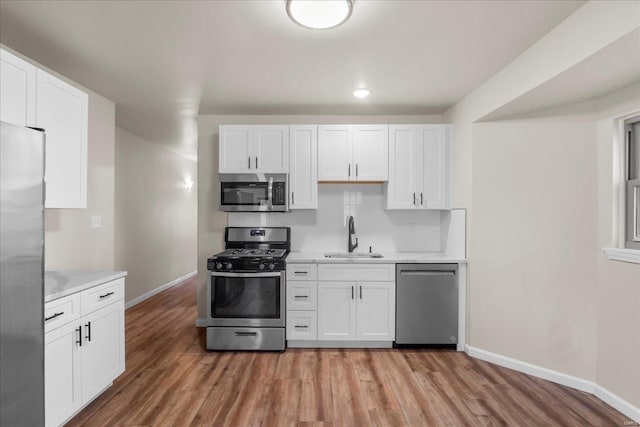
{"x": 319, "y": 14}
{"x": 361, "y": 93}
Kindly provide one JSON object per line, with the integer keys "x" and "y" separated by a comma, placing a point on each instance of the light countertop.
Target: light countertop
{"x": 58, "y": 284}
{"x": 388, "y": 258}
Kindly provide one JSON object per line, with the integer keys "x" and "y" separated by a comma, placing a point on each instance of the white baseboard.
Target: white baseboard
{"x": 617, "y": 403}
{"x": 600, "y": 392}
{"x": 159, "y": 289}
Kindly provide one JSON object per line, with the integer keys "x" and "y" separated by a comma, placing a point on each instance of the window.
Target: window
{"x": 632, "y": 188}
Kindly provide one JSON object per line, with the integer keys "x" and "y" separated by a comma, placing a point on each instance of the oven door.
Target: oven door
{"x": 246, "y": 299}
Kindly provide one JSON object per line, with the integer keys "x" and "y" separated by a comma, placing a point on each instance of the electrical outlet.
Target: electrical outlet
{"x": 96, "y": 221}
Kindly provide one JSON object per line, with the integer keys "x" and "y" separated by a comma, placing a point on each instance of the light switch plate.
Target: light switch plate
{"x": 96, "y": 221}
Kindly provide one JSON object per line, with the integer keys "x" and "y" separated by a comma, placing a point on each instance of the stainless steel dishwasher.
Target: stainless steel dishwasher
{"x": 426, "y": 304}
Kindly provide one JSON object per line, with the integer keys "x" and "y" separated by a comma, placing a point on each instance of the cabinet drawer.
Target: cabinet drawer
{"x": 302, "y": 325}
{"x": 302, "y": 295}
{"x": 101, "y": 296}
{"x": 302, "y": 272}
{"x": 61, "y": 311}
{"x": 357, "y": 272}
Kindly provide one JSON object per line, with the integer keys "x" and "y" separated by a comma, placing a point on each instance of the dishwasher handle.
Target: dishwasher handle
{"x": 427, "y": 273}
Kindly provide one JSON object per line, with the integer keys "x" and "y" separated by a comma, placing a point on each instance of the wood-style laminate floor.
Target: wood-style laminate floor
{"x": 172, "y": 380}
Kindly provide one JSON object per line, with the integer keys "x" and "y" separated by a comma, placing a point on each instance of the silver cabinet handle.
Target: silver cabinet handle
{"x": 301, "y": 272}
{"x": 293, "y": 198}
{"x": 54, "y": 316}
{"x": 414, "y": 198}
{"x": 301, "y": 296}
{"x": 256, "y": 162}
{"x": 302, "y": 326}
{"x": 361, "y": 292}
{"x": 356, "y": 170}
{"x": 249, "y": 162}
{"x": 88, "y": 327}
{"x": 245, "y": 334}
{"x": 421, "y": 200}
{"x": 79, "y": 340}
{"x": 352, "y": 293}
{"x": 349, "y": 170}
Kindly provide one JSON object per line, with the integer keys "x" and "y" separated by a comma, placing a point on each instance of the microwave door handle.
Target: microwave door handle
{"x": 270, "y": 193}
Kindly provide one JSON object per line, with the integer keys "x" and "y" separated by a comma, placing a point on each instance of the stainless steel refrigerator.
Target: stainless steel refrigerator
{"x": 21, "y": 276}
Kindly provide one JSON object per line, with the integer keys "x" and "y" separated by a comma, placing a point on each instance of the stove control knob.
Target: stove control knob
{"x": 272, "y": 266}
{"x": 218, "y": 266}
{"x": 228, "y": 266}
{"x": 261, "y": 266}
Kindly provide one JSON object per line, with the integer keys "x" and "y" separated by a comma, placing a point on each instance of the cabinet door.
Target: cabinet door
{"x": 303, "y": 167}
{"x": 436, "y": 167}
{"x": 234, "y": 149}
{"x": 102, "y": 348}
{"x": 62, "y": 393}
{"x": 335, "y": 150}
{"x": 61, "y": 110}
{"x": 376, "y": 311}
{"x": 371, "y": 152}
{"x": 17, "y": 90}
{"x": 405, "y": 167}
{"x": 271, "y": 149}
{"x": 336, "y": 311}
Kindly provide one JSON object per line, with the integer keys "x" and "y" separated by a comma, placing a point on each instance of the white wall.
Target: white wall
{"x": 155, "y": 221}
{"x": 534, "y": 244}
{"x": 541, "y": 291}
{"x": 618, "y": 283}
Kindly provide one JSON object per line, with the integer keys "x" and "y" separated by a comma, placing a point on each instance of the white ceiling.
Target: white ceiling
{"x": 165, "y": 62}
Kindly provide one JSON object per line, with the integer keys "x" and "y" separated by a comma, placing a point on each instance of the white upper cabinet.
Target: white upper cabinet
{"x": 303, "y": 167}
{"x": 30, "y": 96}
{"x": 335, "y": 147}
{"x": 17, "y": 90}
{"x": 419, "y": 167}
{"x": 235, "y": 154}
{"x": 61, "y": 110}
{"x": 436, "y": 170}
{"x": 254, "y": 149}
{"x": 353, "y": 153}
{"x": 370, "y": 152}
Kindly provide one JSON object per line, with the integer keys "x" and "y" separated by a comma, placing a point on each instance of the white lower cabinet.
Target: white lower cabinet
{"x": 363, "y": 311}
{"x": 84, "y": 355}
{"x": 62, "y": 389}
{"x": 103, "y": 349}
{"x": 340, "y": 302}
{"x": 302, "y": 302}
{"x": 336, "y": 311}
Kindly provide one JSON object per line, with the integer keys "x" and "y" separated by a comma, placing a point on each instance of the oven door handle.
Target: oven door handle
{"x": 266, "y": 274}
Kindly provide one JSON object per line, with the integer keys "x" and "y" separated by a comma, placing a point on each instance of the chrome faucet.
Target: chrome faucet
{"x": 351, "y": 235}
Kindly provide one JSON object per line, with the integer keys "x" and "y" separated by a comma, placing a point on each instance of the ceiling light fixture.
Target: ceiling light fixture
{"x": 319, "y": 14}
{"x": 361, "y": 93}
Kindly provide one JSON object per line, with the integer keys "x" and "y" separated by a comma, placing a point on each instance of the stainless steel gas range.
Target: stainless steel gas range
{"x": 246, "y": 290}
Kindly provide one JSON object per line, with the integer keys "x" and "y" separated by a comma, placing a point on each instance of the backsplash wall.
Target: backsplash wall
{"x": 325, "y": 229}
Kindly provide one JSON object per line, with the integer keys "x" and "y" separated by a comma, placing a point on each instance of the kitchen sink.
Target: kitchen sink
{"x": 353, "y": 255}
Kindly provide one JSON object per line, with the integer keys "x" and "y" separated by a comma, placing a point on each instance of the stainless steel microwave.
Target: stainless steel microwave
{"x": 254, "y": 192}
